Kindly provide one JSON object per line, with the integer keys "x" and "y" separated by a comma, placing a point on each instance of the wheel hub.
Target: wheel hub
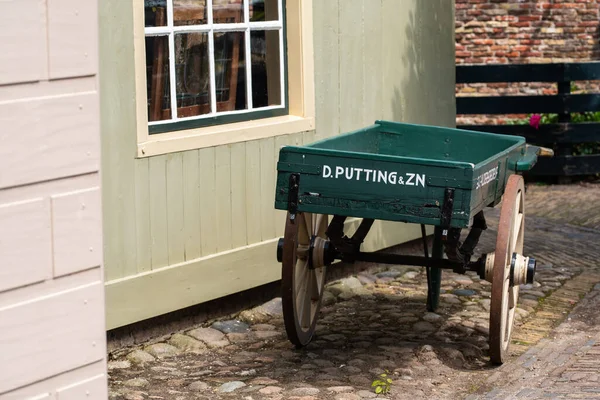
{"x": 320, "y": 252}
{"x": 522, "y": 269}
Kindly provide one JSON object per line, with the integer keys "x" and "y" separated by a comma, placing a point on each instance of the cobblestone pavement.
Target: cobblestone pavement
{"x": 376, "y": 322}
{"x": 570, "y": 204}
{"x": 563, "y": 366}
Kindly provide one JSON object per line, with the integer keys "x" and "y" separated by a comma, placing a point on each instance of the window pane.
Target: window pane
{"x": 228, "y": 11}
{"x": 264, "y": 10}
{"x": 157, "y": 77}
{"x": 155, "y": 12}
{"x": 192, "y": 74}
{"x": 230, "y": 71}
{"x": 266, "y": 88}
{"x": 189, "y": 12}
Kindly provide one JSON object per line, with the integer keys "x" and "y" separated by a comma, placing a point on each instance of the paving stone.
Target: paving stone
{"x": 121, "y": 364}
{"x": 450, "y": 298}
{"x": 340, "y": 389}
{"x": 365, "y": 394}
{"x": 305, "y": 391}
{"x": 263, "y": 313}
{"x": 432, "y": 317}
{"x": 423, "y": 326}
{"x": 231, "y": 326}
{"x": 198, "y": 386}
{"x": 464, "y": 292}
{"x": 270, "y": 390}
{"x": 187, "y": 343}
{"x": 211, "y": 337}
{"x": 328, "y": 299}
{"x": 388, "y": 274}
{"x": 267, "y": 334}
{"x": 134, "y": 396}
{"x": 137, "y": 382}
{"x": 140, "y": 357}
{"x": 410, "y": 275}
{"x": 366, "y": 279}
{"x": 238, "y": 337}
{"x": 230, "y": 386}
{"x": 303, "y": 398}
{"x": 347, "y": 396}
{"x": 249, "y": 372}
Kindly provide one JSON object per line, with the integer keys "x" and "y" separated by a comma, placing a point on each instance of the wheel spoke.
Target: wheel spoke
{"x": 308, "y": 220}
{"x": 315, "y": 292}
{"x": 302, "y": 251}
{"x": 319, "y": 278}
{"x": 321, "y": 225}
{"x": 512, "y": 298}
{"x": 516, "y": 232}
{"x": 303, "y": 231}
{"x": 301, "y": 277}
{"x": 307, "y": 302}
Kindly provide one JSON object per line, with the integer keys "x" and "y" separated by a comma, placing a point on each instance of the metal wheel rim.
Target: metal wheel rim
{"x": 302, "y": 287}
{"x": 504, "y": 299}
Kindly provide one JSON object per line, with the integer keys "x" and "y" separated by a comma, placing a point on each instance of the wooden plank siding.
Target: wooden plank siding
{"x": 224, "y": 195}
{"x": 52, "y": 292}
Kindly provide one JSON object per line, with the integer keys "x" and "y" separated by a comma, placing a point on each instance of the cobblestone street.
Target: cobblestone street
{"x": 375, "y": 322}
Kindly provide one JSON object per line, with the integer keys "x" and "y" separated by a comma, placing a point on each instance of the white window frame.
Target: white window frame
{"x": 300, "y": 87}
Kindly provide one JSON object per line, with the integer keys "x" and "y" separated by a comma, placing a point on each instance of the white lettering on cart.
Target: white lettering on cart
{"x": 487, "y": 177}
{"x": 374, "y": 175}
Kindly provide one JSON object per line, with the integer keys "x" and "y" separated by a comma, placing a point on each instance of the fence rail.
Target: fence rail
{"x": 560, "y": 136}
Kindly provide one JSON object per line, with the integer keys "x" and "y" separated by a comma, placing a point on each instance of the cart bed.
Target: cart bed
{"x": 402, "y": 172}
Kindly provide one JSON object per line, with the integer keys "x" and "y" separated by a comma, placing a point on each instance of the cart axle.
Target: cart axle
{"x": 321, "y": 253}
{"x": 329, "y": 254}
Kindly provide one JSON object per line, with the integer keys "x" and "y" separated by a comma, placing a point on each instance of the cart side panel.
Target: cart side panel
{"x": 490, "y": 179}
{"x": 372, "y": 188}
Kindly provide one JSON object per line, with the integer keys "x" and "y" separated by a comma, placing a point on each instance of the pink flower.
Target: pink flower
{"x": 534, "y": 121}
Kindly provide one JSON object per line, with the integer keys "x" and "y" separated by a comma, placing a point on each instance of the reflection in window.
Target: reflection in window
{"x": 189, "y": 12}
{"x": 230, "y": 77}
{"x": 157, "y": 77}
{"x": 227, "y": 12}
{"x": 155, "y": 13}
{"x": 266, "y": 88}
{"x": 192, "y": 74}
{"x": 264, "y": 10}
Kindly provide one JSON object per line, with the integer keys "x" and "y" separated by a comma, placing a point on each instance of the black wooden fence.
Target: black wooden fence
{"x": 560, "y": 136}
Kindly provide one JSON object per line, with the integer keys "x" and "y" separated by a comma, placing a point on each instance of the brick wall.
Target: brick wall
{"x": 524, "y": 31}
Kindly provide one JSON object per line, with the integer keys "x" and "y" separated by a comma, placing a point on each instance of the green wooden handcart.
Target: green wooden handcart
{"x": 418, "y": 174}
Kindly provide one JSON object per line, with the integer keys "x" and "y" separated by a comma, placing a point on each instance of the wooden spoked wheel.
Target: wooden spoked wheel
{"x": 303, "y": 275}
{"x": 504, "y": 293}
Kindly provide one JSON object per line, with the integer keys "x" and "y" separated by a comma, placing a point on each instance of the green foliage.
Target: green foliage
{"x": 590, "y": 116}
{"x": 382, "y": 385}
{"x": 579, "y": 148}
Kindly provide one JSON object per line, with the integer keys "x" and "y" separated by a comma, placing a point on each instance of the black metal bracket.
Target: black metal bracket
{"x": 446, "y": 217}
{"x": 347, "y": 247}
{"x": 294, "y": 184}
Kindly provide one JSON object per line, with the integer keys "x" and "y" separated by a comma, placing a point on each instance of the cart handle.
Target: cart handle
{"x": 530, "y": 157}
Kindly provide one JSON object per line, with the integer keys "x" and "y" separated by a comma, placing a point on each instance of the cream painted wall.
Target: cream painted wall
{"x": 188, "y": 227}
{"x": 52, "y": 315}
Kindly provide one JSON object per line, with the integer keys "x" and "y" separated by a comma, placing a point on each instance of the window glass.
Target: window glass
{"x": 205, "y": 64}
{"x": 266, "y": 74}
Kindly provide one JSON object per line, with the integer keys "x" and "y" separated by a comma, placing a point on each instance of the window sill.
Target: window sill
{"x": 191, "y": 139}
